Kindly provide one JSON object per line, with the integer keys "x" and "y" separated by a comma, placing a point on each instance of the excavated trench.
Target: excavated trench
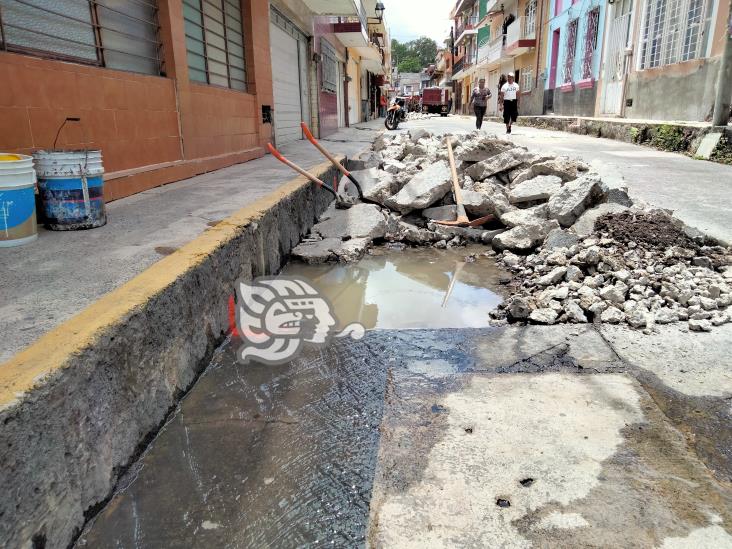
{"x": 285, "y": 456}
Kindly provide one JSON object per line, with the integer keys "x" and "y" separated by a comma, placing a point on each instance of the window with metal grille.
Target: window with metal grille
{"x": 330, "y": 67}
{"x": 117, "y": 34}
{"x": 593, "y": 20}
{"x": 672, "y": 31}
{"x": 570, "y": 50}
{"x": 215, "y": 42}
{"x": 526, "y": 79}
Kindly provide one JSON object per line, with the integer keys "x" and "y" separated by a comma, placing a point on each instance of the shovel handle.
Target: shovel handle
{"x": 310, "y": 137}
{"x": 453, "y": 170}
{"x": 278, "y": 155}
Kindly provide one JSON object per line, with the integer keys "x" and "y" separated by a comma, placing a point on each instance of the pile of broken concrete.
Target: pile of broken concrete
{"x": 545, "y": 210}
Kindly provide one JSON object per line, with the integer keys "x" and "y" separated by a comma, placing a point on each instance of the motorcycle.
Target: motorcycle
{"x": 394, "y": 115}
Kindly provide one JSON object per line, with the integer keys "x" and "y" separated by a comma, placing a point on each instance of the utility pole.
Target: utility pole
{"x": 724, "y": 80}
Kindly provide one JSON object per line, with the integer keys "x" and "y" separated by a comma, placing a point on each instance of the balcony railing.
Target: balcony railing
{"x": 496, "y": 49}
{"x": 523, "y": 28}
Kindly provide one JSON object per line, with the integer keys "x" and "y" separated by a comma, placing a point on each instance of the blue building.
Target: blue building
{"x": 573, "y": 56}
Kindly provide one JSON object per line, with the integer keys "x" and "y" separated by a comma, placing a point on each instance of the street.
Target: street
{"x": 436, "y": 430}
{"x": 659, "y": 178}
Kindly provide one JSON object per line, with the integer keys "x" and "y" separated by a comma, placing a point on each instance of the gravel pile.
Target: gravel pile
{"x": 579, "y": 251}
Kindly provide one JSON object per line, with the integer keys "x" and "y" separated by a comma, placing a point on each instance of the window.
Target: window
{"x": 672, "y": 31}
{"x": 215, "y": 42}
{"x": 569, "y": 50}
{"x": 118, "y": 34}
{"x": 593, "y": 19}
{"x": 526, "y": 81}
{"x": 530, "y": 14}
{"x": 330, "y": 67}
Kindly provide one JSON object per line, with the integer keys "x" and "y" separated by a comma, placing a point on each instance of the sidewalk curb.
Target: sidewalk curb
{"x": 662, "y": 136}
{"x": 78, "y": 406}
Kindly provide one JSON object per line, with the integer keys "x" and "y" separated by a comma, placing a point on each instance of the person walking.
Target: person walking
{"x": 479, "y": 100}
{"x": 509, "y": 100}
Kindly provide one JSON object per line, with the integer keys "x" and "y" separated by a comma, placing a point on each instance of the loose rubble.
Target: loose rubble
{"x": 579, "y": 252}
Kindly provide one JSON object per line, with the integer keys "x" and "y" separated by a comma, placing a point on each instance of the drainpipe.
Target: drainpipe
{"x": 345, "y": 93}
{"x": 540, "y": 33}
{"x": 724, "y": 80}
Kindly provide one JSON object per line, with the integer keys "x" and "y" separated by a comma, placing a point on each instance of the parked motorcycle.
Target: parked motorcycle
{"x": 395, "y": 114}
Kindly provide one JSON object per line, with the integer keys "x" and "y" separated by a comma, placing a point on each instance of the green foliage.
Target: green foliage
{"x": 670, "y": 138}
{"x": 722, "y": 153}
{"x": 410, "y": 64}
{"x": 414, "y": 55}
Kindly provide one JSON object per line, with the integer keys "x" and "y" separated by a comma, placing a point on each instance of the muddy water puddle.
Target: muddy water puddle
{"x": 285, "y": 456}
{"x": 409, "y": 289}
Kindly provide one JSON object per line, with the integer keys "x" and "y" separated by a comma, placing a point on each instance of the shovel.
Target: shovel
{"x": 342, "y": 202}
{"x": 341, "y": 167}
{"x": 462, "y": 218}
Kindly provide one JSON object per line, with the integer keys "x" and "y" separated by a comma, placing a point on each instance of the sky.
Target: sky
{"x": 410, "y": 19}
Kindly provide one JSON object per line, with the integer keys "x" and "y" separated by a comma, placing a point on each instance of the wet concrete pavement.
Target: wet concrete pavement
{"x": 557, "y": 436}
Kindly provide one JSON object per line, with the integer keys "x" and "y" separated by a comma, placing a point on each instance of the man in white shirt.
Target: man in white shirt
{"x": 509, "y": 100}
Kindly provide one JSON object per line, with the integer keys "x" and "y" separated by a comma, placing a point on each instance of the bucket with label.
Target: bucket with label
{"x": 71, "y": 186}
{"x": 17, "y": 200}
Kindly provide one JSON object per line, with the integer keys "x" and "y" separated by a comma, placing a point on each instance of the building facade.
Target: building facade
{"x": 574, "y": 56}
{"x": 661, "y": 59}
{"x": 170, "y": 89}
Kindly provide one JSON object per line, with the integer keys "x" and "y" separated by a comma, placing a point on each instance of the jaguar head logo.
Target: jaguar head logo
{"x": 277, "y": 316}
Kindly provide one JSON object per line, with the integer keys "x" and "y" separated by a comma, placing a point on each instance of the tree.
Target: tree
{"x": 425, "y": 50}
{"x": 414, "y": 55}
{"x": 410, "y": 64}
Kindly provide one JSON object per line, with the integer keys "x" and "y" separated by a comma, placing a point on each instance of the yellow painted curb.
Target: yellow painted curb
{"x": 52, "y": 351}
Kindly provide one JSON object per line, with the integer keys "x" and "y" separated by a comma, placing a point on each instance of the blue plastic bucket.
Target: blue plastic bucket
{"x": 17, "y": 200}
{"x": 71, "y": 186}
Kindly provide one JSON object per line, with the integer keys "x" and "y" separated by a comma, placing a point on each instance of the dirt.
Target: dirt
{"x": 654, "y": 229}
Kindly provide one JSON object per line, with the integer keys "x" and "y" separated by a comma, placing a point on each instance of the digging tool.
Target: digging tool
{"x": 341, "y": 167}
{"x": 462, "y": 218}
{"x": 342, "y": 202}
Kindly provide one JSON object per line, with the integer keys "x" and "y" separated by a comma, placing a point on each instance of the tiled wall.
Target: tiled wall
{"x": 132, "y": 118}
{"x": 151, "y": 130}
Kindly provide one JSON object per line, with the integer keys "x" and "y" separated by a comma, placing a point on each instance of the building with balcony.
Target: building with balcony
{"x": 465, "y": 15}
{"x": 505, "y": 37}
{"x": 661, "y": 60}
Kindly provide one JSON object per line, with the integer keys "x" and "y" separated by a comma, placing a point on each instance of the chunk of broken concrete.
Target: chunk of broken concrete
{"x": 524, "y": 237}
{"x": 360, "y": 221}
{"x": 559, "y": 238}
{"x": 506, "y": 160}
{"x": 331, "y": 249}
{"x": 538, "y": 188}
{"x": 574, "y": 198}
{"x": 529, "y": 216}
{"x": 441, "y": 213}
{"x": 585, "y": 224}
{"x": 423, "y": 190}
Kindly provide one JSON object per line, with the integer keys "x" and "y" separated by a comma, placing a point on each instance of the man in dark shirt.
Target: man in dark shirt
{"x": 479, "y": 100}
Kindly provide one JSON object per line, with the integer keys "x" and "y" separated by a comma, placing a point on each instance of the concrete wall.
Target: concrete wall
{"x": 151, "y": 129}
{"x": 575, "y": 101}
{"x": 683, "y": 91}
{"x": 79, "y": 405}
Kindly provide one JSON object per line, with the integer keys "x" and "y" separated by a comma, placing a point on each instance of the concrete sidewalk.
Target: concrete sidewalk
{"x": 50, "y": 280}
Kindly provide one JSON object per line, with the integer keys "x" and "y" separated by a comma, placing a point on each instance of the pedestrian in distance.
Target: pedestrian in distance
{"x": 509, "y": 101}
{"x": 479, "y": 100}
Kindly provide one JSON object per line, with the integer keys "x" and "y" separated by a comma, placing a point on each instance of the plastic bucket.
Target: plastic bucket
{"x": 17, "y": 200}
{"x": 71, "y": 186}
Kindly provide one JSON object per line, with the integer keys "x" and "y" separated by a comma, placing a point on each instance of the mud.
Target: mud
{"x": 653, "y": 229}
